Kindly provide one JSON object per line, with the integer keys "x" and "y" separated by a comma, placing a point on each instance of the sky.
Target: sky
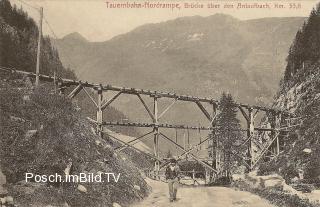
{"x": 96, "y": 22}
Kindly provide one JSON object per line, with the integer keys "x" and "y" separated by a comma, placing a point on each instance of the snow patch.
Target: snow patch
{"x": 195, "y": 37}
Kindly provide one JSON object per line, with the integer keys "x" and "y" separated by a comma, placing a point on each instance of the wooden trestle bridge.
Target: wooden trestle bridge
{"x": 261, "y": 141}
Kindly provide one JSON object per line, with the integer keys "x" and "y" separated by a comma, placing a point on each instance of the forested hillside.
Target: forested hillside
{"x": 18, "y": 43}
{"x": 300, "y": 94}
{"x": 18, "y": 49}
{"x": 304, "y": 53}
{"x": 42, "y": 132}
{"x": 45, "y": 134}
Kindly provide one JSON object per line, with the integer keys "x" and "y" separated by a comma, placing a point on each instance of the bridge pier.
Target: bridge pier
{"x": 100, "y": 112}
{"x": 250, "y": 135}
{"x": 249, "y": 117}
{"x": 278, "y": 126}
{"x": 156, "y": 137}
{"x": 275, "y": 124}
{"x": 215, "y": 150}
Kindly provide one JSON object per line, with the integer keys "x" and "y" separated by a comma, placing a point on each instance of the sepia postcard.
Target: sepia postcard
{"x": 159, "y": 103}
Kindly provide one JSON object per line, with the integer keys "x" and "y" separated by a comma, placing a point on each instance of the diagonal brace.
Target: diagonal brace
{"x": 124, "y": 143}
{"x": 204, "y": 111}
{"x": 146, "y": 107}
{"x": 129, "y": 143}
{"x": 186, "y": 152}
{"x": 165, "y": 111}
{"x": 192, "y": 155}
{"x": 75, "y": 91}
{"x": 95, "y": 103}
{"x": 266, "y": 149}
{"x": 106, "y": 104}
{"x": 245, "y": 115}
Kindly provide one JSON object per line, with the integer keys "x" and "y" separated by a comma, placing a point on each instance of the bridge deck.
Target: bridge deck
{"x": 106, "y": 87}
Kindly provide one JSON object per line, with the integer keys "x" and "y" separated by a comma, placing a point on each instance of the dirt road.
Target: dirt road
{"x": 201, "y": 197}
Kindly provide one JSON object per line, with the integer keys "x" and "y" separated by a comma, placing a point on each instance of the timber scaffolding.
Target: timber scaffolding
{"x": 256, "y": 149}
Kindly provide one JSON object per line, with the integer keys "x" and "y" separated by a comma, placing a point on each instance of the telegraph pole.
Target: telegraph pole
{"x": 39, "y": 46}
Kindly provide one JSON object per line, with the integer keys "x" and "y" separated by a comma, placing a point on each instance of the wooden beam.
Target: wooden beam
{"x": 278, "y": 125}
{"x": 70, "y": 82}
{"x": 146, "y": 107}
{"x": 107, "y": 103}
{"x": 175, "y": 100}
{"x": 100, "y": 113}
{"x": 191, "y": 155}
{"x": 93, "y": 101}
{"x": 256, "y": 113}
{"x": 124, "y": 143}
{"x": 75, "y": 91}
{"x": 187, "y": 152}
{"x": 204, "y": 111}
{"x": 160, "y": 125}
{"x": 265, "y": 149}
{"x": 250, "y": 132}
{"x": 241, "y": 158}
{"x": 244, "y": 113}
{"x": 156, "y": 136}
{"x": 129, "y": 143}
{"x": 193, "y": 148}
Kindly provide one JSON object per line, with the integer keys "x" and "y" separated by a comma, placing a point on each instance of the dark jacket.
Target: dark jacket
{"x": 172, "y": 174}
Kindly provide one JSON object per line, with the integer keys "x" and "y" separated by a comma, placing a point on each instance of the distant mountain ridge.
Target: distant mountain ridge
{"x": 216, "y": 53}
{"x": 75, "y": 36}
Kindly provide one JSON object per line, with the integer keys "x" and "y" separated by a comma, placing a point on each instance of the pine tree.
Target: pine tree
{"x": 18, "y": 43}
{"x": 228, "y": 132}
{"x": 305, "y": 48}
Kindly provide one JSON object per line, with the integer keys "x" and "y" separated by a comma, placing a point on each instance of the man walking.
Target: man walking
{"x": 172, "y": 176}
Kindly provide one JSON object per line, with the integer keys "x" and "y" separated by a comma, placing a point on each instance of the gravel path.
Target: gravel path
{"x": 201, "y": 197}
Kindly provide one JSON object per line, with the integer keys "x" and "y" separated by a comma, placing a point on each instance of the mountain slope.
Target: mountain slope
{"x": 299, "y": 93}
{"x": 200, "y": 56}
{"x": 215, "y": 53}
{"x": 18, "y": 43}
{"x": 50, "y": 137}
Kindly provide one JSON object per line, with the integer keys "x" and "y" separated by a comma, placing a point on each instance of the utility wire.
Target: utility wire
{"x": 50, "y": 28}
{"x": 27, "y": 4}
{"x": 56, "y": 38}
{"x": 53, "y": 33}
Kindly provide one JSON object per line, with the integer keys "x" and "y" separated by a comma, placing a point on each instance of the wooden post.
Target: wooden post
{"x": 274, "y": 147}
{"x": 215, "y": 150}
{"x": 250, "y": 134}
{"x": 277, "y": 126}
{"x": 194, "y": 176}
{"x": 55, "y": 81}
{"x": 100, "y": 112}
{"x": 188, "y": 138}
{"x": 176, "y": 139}
{"x": 39, "y": 47}
{"x": 200, "y": 139}
{"x": 184, "y": 139}
{"x": 156, "y": 137}
{"x": 61, "y": 87}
